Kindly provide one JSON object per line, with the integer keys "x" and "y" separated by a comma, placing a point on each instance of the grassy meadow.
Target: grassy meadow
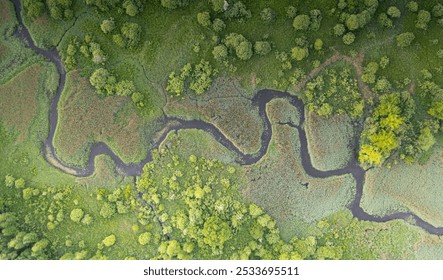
{"x": 329, "y": 140}
{"x": 198, "y": 143}
{"x": 415, "y": 188}
{"x": 279, "y": 184}
{"x": 225, "y": 106}
{"x": 85, "y": 118}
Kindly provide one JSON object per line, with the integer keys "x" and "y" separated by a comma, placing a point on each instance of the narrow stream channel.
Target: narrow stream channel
{"x": 174, "y": 124}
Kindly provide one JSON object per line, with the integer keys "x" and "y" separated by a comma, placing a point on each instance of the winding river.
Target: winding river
{"x": 174, "y": 124}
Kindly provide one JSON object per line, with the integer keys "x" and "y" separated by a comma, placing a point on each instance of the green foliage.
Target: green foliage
{"x": 238, "y": 11}
{"x": 339, "y": 29}
{"x": 385, "y": 129}
{"x": 109, "y": 240}
{"x": 267, "y": 15}
{"x": 385, "y": 21}
{"x": 262, "y": 47}
{"x": 352, "y": 22}
{"x": 144, "y": 238}
{"x": 218, "y": 25}
{"x": 437, "y": 10}
{"x": 318, "y": 44}
{"x": 60, "y": 9}
{"x": 107, "y": 210}
{"x": 238, "y": 43}
{"x": 9, "y": 181}
{"x": 348, "y": 38}
{"x": 87, "y": 220}
{"x": 301, "y": 22}
{"x": 76, "y": 215}
{"x": 291, "y": 11}
{"x": 116, "y": 72}
{"x": 244, "y": 50}
{"x": 220, "y": 52}
{"x": 200, "y": 77}
{"x": 102, "y": 81}
{"x": 299, "y": 53}
{"x": 107, "y": 25}
{"x": 216, "y": 232}
{"x": 412, "y": 6}
{"x": 124, "y": 88}
{"x": 132, "y": 7}
{"x": 217, "y": 5}
{"x": 103, "y": 6}
{"x": 176, "y": 83}
{"x": 208, "y": 216}
{"x": 334, "y": 92}
{"x": 423, "y": 18}
{"x": 436, "y": 109}
{"x": 204, "y": 19}
{"x": 19, "y": 183}
{"x": 405, "y": 39}
{"x": 174, "y": 4}
{"x": 426, "y": 139}
{"x": 370, "y": 70}
{"x": 316, "y": 18}
{"x": 393, "y": 12}
{"x": 131, "y": 32}
{"x": 106, "y": 84}
{"x": 34, "y": 8}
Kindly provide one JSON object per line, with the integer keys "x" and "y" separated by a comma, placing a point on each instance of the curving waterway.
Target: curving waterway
{"x": 174, "y": 124}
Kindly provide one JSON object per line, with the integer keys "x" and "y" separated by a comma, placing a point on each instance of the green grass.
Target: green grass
{"x": 22, "y": 137}
{"x": 407, "y": 62}
{"x": 406, "y": 187}
{"x": 225, "y": 106}
{"x": 120, "y": 225}
{"x": 198, "y": 143}
{"x": 280, "y": 110}
{"x": 277, "y": 182}
{"x": 280, "y": 185}
{"x": 329, "y": 140}
{"x": 14, "y": 57}
{"x": 430, "y": 248}
{"x": 86, "y": 118}
{"x": 19, "y": 100}
{"x": 105, "y": 175}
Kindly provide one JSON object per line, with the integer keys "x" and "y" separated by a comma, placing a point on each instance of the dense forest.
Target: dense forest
{"x": 132, "y": 69}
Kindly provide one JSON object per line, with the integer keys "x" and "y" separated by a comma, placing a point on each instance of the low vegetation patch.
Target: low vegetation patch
{"x": 281, "y": 111}
{"x": 225, "y": 106}
{"x": 279, "y": 184}
{"x": 85, "y": 118}
{"x": 404, "y": 187}
{"x": 19, "y": 100}
{"x": 330, "y": 140}
{"x": 199, "y": 143}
